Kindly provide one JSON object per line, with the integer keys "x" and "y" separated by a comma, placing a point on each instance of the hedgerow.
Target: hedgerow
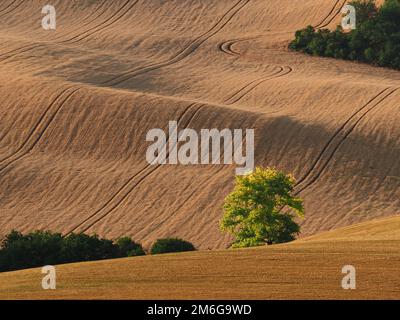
{"x": 376, "y": 39}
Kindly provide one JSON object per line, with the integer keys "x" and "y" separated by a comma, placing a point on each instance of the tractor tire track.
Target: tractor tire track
{"x": 7, "y": 6}
{"x": 327, "y": 21}
{"x": 39, "y": 129}
{"x": 35, "y": 46}
{"x": 125, "y": 190}
{"x": 12, "y": 9}
{"x": 105, "y": 24}
{"x": 227, "y": 46}
{"x": 188, "y": 50}
{"x": 330, "y": 149}
{"x": 327, "y": 16}
{"x": 221, "y": 167}
{"x": 179, "y": 207}
{"x": 337, "y": 132}
{"x": 34, "y": 128}
{"x": 146, "y": 175}
{"x": 96, "y": 15}
{"x": 241, "y": 93}
{"x": 11, "y": 54}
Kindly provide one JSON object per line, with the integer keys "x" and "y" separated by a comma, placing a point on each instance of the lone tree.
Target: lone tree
{"x": 254, "y": 213}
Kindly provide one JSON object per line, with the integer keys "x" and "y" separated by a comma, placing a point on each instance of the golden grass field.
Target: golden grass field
{"x": 77, "y": 102}
{"x": 304, "y": 269}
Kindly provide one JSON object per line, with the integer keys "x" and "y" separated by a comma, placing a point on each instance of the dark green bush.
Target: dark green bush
{"x": 27, "y": 251}
{"x": 41, "y": 248}
{"x": 82, "y": 247}
{"x": 129, "y": 248}
{"x": 376, "y": 40}
{"x": 171, "y": 245}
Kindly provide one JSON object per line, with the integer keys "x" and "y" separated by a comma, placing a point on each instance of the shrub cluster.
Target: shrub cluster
{"x": 376, "y": 39}
{"x": 171, "y": 245}
{"x": 39, "y": 248}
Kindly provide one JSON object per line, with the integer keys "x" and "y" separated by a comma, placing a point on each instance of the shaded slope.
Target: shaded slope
{"x": 75, "y": 160}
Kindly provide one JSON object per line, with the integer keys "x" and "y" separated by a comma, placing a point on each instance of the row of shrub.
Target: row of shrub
{"x": 39, "y": 248}
{"x": 376, "y": 39}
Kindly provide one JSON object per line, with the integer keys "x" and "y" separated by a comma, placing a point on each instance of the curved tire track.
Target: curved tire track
{"x": 12, "y": 9}
{"x": 183, "y": 203}
{"x": 7, "y": 6}
{"x": 176, "y": 210}
{"x": 227, "y": 46}
{"x": 11, "y": 54}
{"x": 96, "y": 14}
{"x": 39, "y": 129}
{"x": 241, "y": 93}
{"x": 329, "y": 18}
{"x": 128, "y": 186}
{"x": 330, "y": 149}
{"x": 188, "y": 50}
{"x": 118, "y": 15}
{"x": 94, "y": 30}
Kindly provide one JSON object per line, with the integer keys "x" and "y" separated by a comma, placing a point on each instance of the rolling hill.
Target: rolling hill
{"x": 304, "y": 269}
{"x": 77, "y": 103}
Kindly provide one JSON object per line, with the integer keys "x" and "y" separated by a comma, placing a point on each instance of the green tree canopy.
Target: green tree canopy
{"x": 253, "y": 210}
{"x": 376, "y": 39}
